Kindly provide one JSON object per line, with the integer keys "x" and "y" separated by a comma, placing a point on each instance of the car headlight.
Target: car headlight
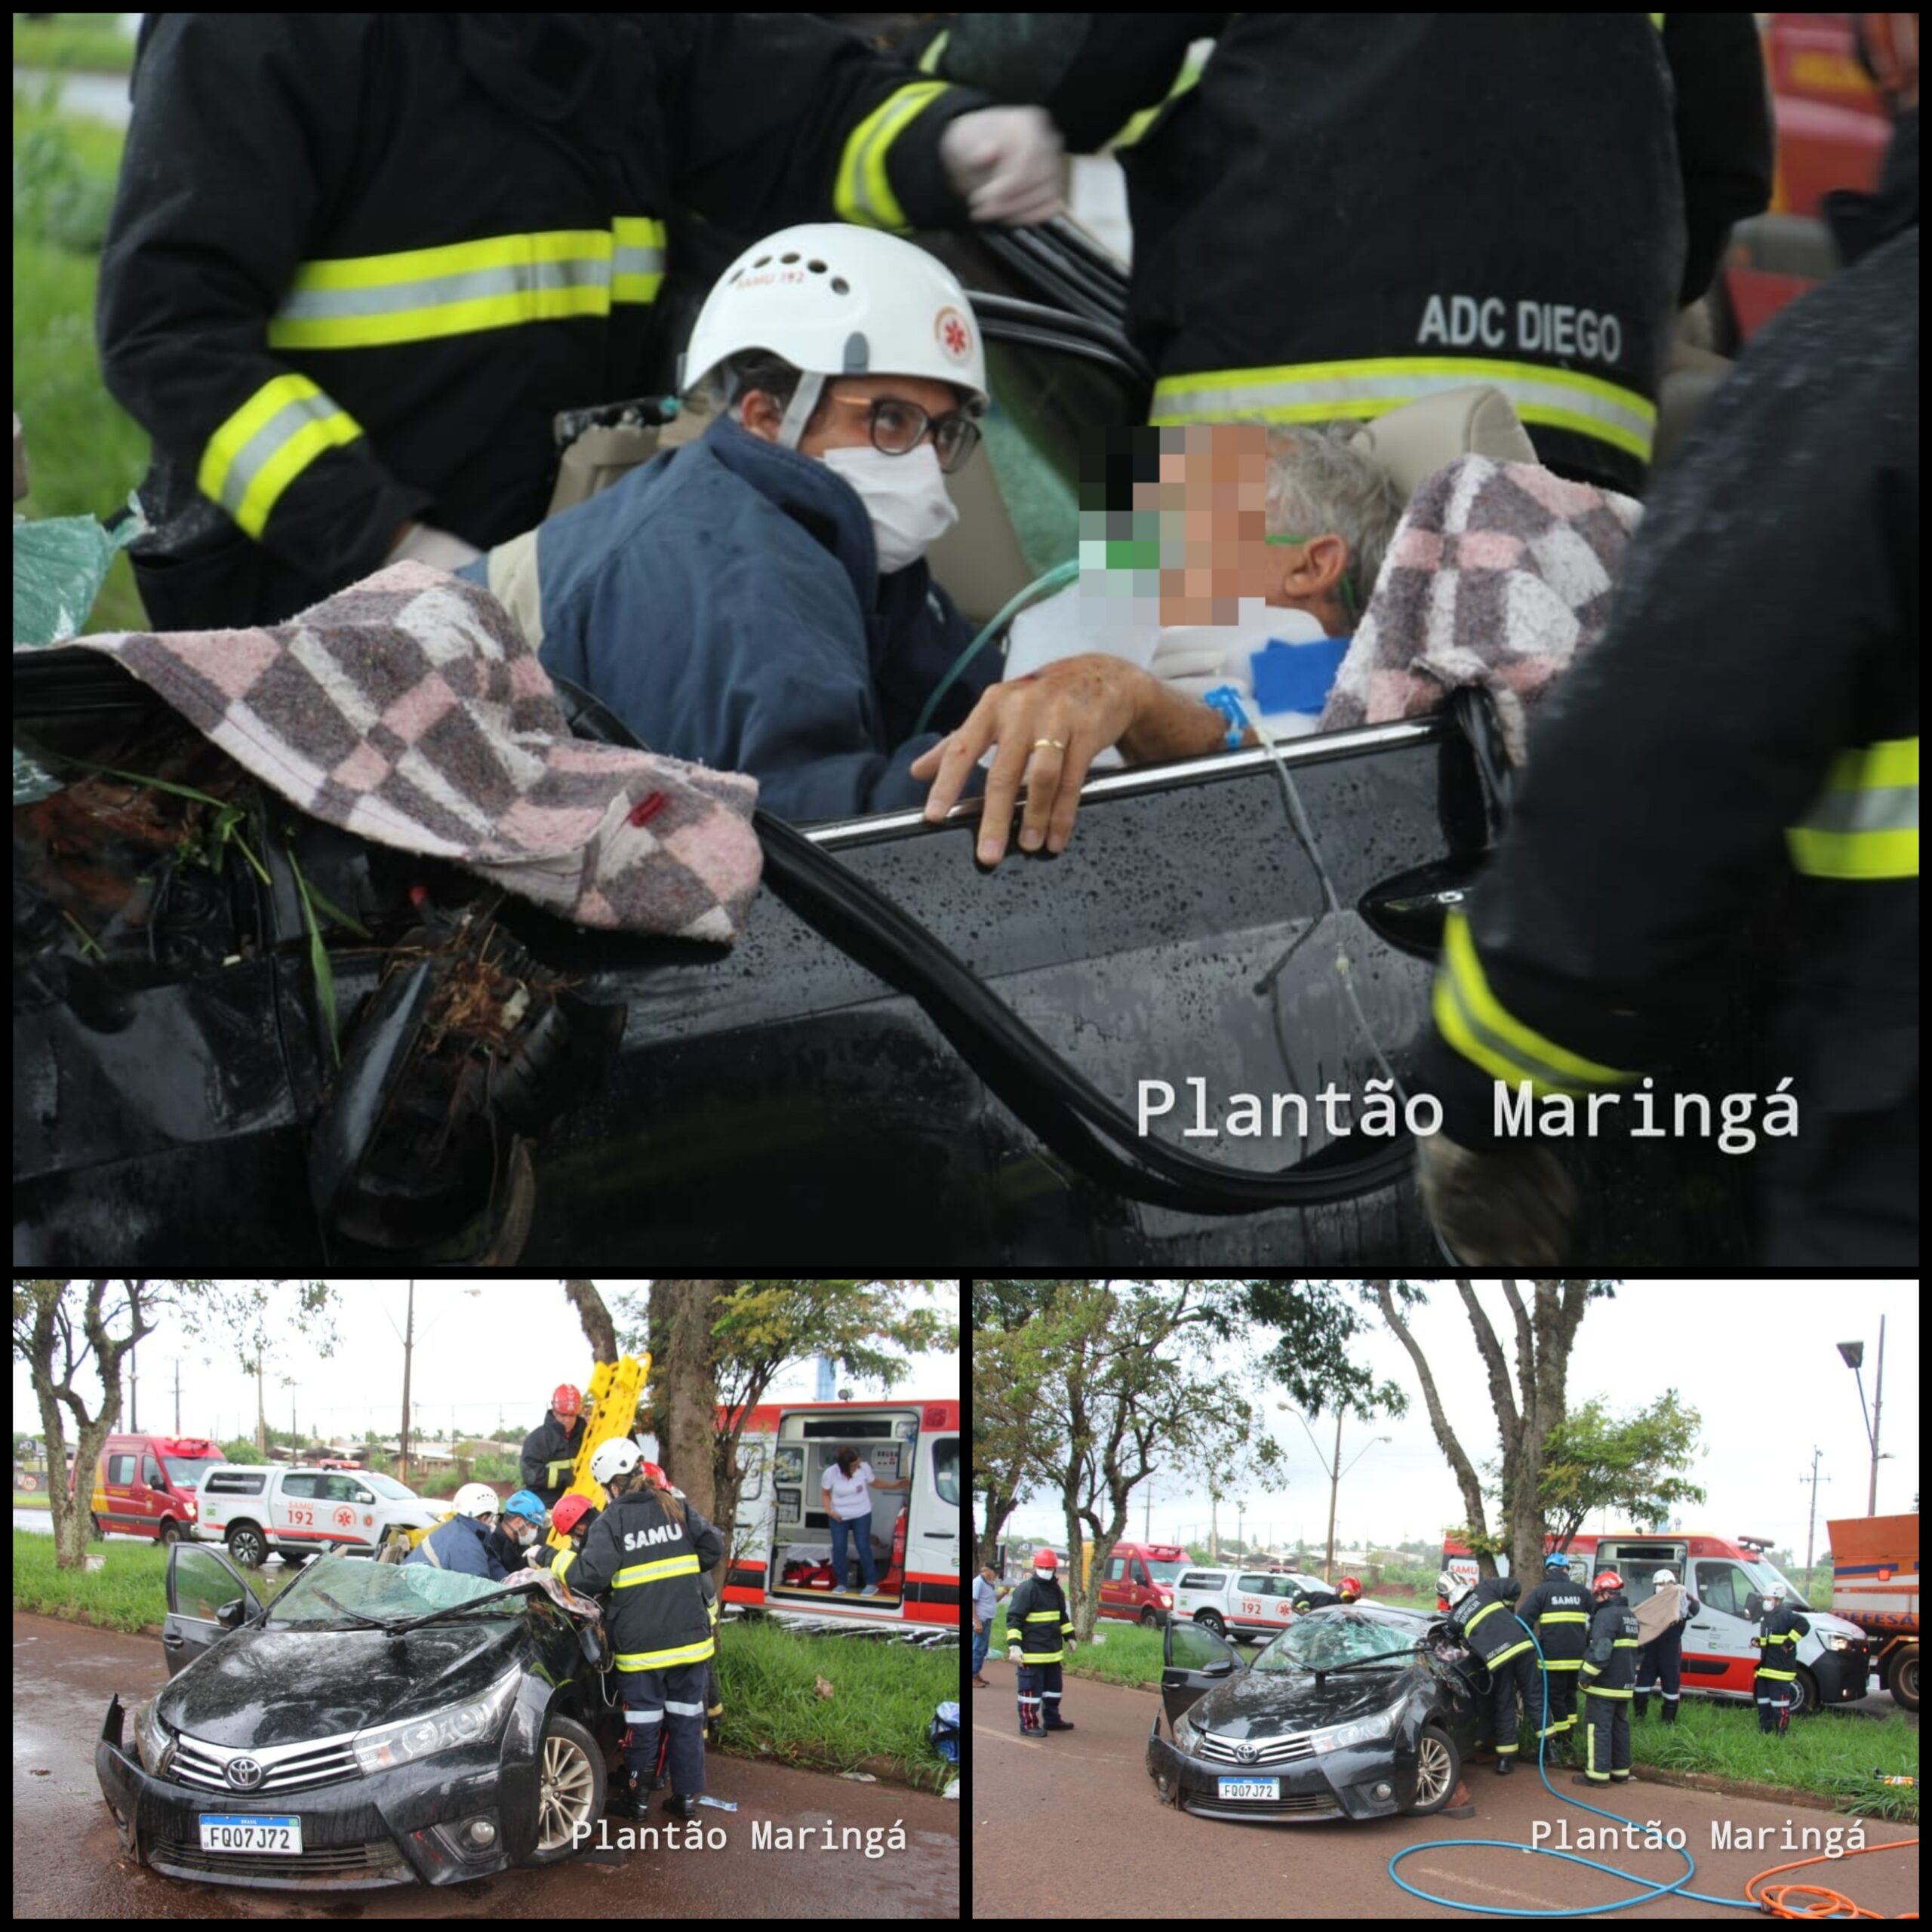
{"x": 1844, "y": 1642}
{"x": 1186, "y": 1731}
{"x": 392, "y": 1744}
{"x": 1364, "y": 1730}
{"x": 157, "y": 1741}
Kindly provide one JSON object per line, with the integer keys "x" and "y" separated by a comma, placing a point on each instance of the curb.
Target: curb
{"x": 69, "y": 1614}
{"x": 884, "y": 1770}
{"x": 1722, "y": 1787}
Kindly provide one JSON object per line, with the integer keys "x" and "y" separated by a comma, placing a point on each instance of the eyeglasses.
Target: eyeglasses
{"x": 899, "y": 427}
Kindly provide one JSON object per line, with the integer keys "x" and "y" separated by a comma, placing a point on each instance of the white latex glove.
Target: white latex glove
{"x": 423, "y": 544}
{"x": 1007, "y": 162}
{"x": 1517, "y": 1206}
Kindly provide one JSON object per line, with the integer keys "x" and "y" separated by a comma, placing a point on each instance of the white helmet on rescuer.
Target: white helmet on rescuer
{"x": 1663, "y": 1576}
{"x": 617, "y": 1457}
{"x": 833, "y": 300}
{"x": 476, "y": 1499}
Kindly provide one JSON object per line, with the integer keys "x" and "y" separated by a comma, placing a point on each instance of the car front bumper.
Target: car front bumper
{"x": 1371, "y": 1781}
{"x": 1842, "y": 1676}
{"x": 393, "y": 1829}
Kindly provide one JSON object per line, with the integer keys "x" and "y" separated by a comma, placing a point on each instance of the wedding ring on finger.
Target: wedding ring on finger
{"x": 1049, "y": 745}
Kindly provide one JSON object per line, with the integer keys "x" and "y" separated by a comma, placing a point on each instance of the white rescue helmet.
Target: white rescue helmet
{"x": 476, "y": 1498}
{"x": 834, "y": 299}
{"x": 617, "y": 1457}
{"x": 1663, "y": 1576}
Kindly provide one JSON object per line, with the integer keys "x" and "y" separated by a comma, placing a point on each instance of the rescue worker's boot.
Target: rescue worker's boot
{"x": 680, "y": 1806}
{"x": 1056, "y": 1722}
{"x": 1504, "y": 1766}
{"x": 1640, "y": 1704}
{"x": 629, "y": 1791}
{"x": 1670, "y": 1710}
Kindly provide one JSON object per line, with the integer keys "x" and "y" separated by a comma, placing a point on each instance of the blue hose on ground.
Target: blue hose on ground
{"x": 1060, "y": 574}
{"x": 1651, "y": 1891}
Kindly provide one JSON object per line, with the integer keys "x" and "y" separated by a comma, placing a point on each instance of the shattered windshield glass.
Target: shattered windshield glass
{"x": 387, "y": 1592}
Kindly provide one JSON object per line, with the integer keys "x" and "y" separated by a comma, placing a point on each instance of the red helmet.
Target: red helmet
{"x": 1608, "y": 1579}
{"x": 653, "y": 1475}
{"x": 1352, "y": 1586}
{"x": 567, "y": 1401}
{"x": 1045, "y": 1559}
{"x": 569, "y": 1513}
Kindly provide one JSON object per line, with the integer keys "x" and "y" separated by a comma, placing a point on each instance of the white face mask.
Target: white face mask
{"x": 905, "y": 497}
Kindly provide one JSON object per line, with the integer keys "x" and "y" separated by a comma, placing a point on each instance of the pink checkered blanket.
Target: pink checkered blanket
{"x": 408, "y": 709}
{"x": 1499, "y": 574}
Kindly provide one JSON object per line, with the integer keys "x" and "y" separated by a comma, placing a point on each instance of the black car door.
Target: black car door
{"x": 207, "y": 1597}
{"x": 1194, "y": 1661}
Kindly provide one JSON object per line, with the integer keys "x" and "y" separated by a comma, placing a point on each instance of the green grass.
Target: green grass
{"x": 84, "y": 453}
{"x": 1832, "y": 1753}
{"x": 128, "y": 1594}
{"x": 882, "y": 1704}
{"x": 30, "y": 1502}
{"x": 92, "y": 43}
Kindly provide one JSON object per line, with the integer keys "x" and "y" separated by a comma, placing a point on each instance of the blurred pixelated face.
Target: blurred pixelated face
{"x": 1173, "y": 518}
{"x": 1211, "y": 498}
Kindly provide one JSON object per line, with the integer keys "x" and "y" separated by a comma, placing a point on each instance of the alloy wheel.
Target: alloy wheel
{"x": 565, "y": 1790}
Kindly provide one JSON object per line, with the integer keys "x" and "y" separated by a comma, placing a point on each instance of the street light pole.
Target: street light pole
{"x": 1811, "y": 1533}
{"x": 1334, "y": 1489}
{"x": 1878, "y": 1409}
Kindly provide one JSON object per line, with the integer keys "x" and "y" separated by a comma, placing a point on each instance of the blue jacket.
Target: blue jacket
{"x": 462, "y": 1544}
{"x": 724, "y": 600}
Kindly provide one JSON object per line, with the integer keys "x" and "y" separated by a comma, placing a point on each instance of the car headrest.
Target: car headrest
{"x": 1418, "y": 438}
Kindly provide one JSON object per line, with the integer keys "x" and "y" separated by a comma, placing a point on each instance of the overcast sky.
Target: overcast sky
{"x": 1756, "y": 1359}
{"x": 492, "y": 1351}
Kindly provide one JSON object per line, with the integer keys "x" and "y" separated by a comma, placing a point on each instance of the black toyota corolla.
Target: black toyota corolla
{"x": 1354, "y": 1713}
{"x": 375, "y": 1723}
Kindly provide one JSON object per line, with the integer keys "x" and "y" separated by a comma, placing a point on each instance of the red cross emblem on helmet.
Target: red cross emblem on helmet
{"x": 954, "y": 336}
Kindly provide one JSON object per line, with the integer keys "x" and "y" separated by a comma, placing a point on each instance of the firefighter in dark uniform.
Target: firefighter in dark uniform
{"x": 1499, "y": 1636}
{"x": 646, "y": 1551}
{"x": 1558, "y": 1612}
{"x": 1349, "y": 1591}
{"x": 1660, "y": 1663}
{"x": 358, "y": 263}
{"x": 550, "y": 1449}
{"x": 1610, "y": 1670}
{"x": 1039, "y": 1633}
{"x": 1624, "y": 146}
{"x": 1775, "y": 1683}
{"x": 1776, "y": 848}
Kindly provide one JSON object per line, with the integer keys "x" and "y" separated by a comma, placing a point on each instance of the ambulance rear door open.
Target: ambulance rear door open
{"x": 808, "y": 1444}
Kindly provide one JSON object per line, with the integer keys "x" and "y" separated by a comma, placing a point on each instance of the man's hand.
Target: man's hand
{"x": 979, "y": 1628}
{"x": 1007, "y": 162}
{"x": 1516, "y": 1206}
{"x": 1049, "y": 728}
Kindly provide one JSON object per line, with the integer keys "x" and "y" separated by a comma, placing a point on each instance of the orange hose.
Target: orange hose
{"x": 1816, "y": 1901}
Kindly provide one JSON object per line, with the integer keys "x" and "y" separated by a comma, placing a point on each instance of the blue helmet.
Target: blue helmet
{"x": 1555, "y": 1560}
{"x": 524, "y": 1503}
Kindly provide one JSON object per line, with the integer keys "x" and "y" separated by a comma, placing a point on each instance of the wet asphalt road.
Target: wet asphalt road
{"x": 1078, "y": 1831}
{"x": 68, "y": 1862}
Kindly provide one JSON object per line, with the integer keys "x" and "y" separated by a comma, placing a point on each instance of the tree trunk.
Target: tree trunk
{"x": 685, "y": 1378}
{"x": 1466, "y": 1479}
{"x": 599, "y": 1331}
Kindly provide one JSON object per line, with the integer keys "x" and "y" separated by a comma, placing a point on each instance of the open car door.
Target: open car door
{"x": 207, "y": 1597}
{"x": 1194, "y": 1661}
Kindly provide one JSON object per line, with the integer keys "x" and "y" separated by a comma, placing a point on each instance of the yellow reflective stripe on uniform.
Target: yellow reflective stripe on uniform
{"x": 564, "y": 1558}
{"x": 663, "y": 1660}
{"x": 1864, "y": 824}
{"x": 935, "y": 52}
{"x": 1626, "y": 1643}
{"x": 1504, "y": 1656}
{"x": 1043, "y": 1617}
{"x": 1475, "y": 1023}
{"x": 1780, "y": 1676}
{"x": 686, "y": 1565}
{"x": 1192, "y": 70}
{"x": 1314, "y": 392}
{"x": 1564, "y": 1616}
{"x": 1600, "y": 1690}
{"x": 420, "y": 294}
{"x": 266, "y": 444}
{"x": 1469, "y": 1626}
{"x": 1562, "y": 1663}
{"x": 637, "y": 265}
{"x": 1042, "y": 1656}
{"x": 861, "y": 193}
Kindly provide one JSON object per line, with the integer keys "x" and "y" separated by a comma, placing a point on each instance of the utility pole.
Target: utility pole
{"x": 1810, "y": 1534}
{"x": 1240, "y": 1528}
{"x": 1334, "y": 1489}
{"x": 134, "y": 1393}
{"x": 408, "y": 1343}
{"x": 177, "y": 1394}
{"x": 1147, "y": 1507}
{"x": 1213, "y": 1526}
{"x": 261, "y": 1405}
{"x": 1878, "y": 1409}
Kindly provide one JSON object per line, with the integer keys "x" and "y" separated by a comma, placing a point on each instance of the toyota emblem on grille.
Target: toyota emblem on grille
{"x": 1247, "y": 1753}
{"x": 244, "y": 1774}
